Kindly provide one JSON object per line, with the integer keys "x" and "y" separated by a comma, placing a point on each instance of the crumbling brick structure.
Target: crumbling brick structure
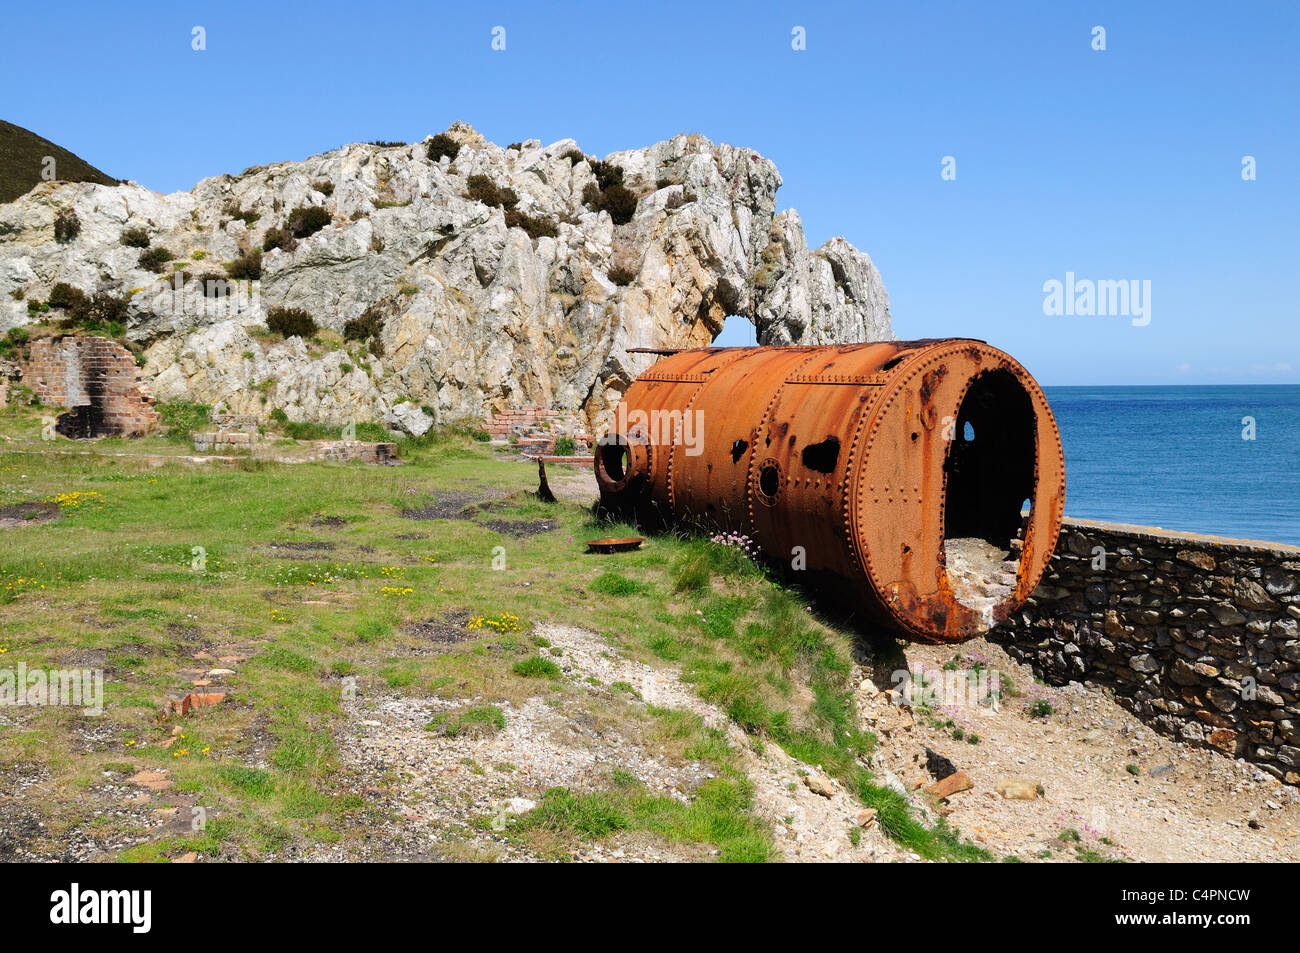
{"x": 535, "y": 428}
{"x": 97, "y": 380}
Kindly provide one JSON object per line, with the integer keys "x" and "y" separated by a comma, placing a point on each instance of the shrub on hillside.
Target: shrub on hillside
{"x": 64, "y": 295}
{"x": 620, "y": 202}
{"x": 291, "y": 322}
{"x": 609, "y": 194}
{"x": 155, "y": 259}
{"x": 181, "y": 418}
{"x": 109, "y": 308}
{"x": 104, "y": 311}
{"x": 368, "y": 325}
{"x": 135, "y": 238}
{"x": 278, "y": 238}
{"x": 607, "y": 174}
{"x": 247, "y": 267}
{"x": 233, "y": 210}
{"x": 678, "y": 199}
{"x": 482, "y": 189}
{"x": 307, "y": 220}
{"x": 574, "y": 156}
{"x": 214, "y": 285}
{"x": 67, "y": 225}
{"x": 442, "y": 145}
{"x": 536, "y": 227}
{"x": 14, "y": 343}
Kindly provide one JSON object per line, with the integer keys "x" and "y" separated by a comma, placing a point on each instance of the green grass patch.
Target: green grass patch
{"x": 718, "y": 815}
{"x": 475, "y": 721}
{"x": 536, "y": 667}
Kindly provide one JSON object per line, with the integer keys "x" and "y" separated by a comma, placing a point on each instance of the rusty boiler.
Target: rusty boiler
{"x": 920, "y": 481}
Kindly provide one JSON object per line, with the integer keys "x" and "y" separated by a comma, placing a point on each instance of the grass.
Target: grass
{"x": 718, "y": 815}
{"x": 475, "y": 720}
{"x": 314, "y": 574}
{"x": 536, "y": 667}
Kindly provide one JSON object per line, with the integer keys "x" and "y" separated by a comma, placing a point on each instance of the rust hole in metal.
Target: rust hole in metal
{"x": 823, "y": 456}
{"x": 738, "y": 450}
{"x": 769, "y": 483}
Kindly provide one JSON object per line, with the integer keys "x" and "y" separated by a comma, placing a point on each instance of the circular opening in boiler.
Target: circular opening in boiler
{"x": 613, "y": 460}
{"x": 990, "y": 484}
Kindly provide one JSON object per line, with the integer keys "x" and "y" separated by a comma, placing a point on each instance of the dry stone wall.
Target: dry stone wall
{"x": 1197, "y": 635}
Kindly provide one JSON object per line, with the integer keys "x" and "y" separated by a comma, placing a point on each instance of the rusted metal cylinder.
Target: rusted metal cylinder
{"x": 926, "y": 475}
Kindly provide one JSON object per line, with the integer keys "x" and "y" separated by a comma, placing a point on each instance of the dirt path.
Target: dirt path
{"x": 440, "y": 784}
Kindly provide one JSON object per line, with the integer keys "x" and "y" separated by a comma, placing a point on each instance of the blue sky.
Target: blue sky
{"x": 1115, "y": 165}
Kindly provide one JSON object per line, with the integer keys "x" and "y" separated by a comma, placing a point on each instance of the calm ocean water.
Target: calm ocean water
{"x": 1175, "y": 457}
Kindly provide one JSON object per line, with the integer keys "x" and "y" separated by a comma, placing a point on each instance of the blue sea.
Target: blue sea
{"x": 1176, "y": 457}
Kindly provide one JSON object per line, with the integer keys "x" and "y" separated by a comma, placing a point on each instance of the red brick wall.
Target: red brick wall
{"x": 537, "y": 427}
{"x": 522, "y": 418}
{"x": 81, "y": 371}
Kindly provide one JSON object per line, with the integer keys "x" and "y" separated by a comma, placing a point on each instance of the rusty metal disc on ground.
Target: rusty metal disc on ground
{"x": 615, "y": 544}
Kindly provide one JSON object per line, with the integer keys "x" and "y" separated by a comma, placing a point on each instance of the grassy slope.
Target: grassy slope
{"x": 113, "y": 580}
{"x": 22, "y": 154}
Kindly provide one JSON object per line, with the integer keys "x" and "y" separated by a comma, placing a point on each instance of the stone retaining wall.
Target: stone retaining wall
{"x": 223, "y": 441}
{"x": 245, "y": 423}
{"x": 1197, "y": 635}
{"x": 357, "y": 450}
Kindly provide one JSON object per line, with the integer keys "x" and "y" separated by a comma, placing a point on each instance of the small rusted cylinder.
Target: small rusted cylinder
{"x": 880, "y": 466}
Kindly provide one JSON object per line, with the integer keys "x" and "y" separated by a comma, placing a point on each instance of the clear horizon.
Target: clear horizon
{"x": 1072, "y": 164}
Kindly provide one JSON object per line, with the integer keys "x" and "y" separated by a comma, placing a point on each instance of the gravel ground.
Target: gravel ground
{"x": 1183, "y": 804}
{"x": 441, "y": 784}
{"x": 1175, "y": 803}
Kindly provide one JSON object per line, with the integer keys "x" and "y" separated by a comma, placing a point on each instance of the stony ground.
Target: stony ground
{"x": 1179, "y": 805}
{"x": 442, "y": 784}
{"x": 1104, "y": 786}
{"x": 1127, "y": 792}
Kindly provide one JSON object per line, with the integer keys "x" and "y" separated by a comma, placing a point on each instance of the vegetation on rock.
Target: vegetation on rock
{"x": 291, "y": 322}
{"x": 442, "y": 145}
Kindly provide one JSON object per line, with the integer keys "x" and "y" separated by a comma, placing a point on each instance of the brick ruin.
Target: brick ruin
{"x": 536, "y": 429}
{"x": 97, "y": 380}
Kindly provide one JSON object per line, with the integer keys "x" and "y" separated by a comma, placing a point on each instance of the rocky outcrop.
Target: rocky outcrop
{"x": 533, "y": 295}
